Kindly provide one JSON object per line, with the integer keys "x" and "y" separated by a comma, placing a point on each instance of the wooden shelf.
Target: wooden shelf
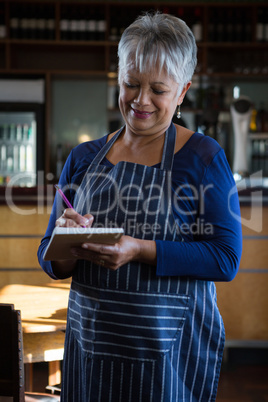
{"x": 12, "y": 57}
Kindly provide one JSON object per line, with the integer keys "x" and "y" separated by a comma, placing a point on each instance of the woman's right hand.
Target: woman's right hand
{"x": 71, "y": 218}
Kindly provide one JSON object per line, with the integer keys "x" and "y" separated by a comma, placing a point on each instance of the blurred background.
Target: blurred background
{"x": 58, "y": 88}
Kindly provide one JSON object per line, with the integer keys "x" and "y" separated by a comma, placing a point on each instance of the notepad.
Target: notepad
{"x": 63, "y": 239}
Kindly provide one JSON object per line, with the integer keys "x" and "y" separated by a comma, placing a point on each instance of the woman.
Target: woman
{"x": 143, "y": 323}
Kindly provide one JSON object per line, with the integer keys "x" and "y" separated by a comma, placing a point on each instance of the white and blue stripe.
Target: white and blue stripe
{"x": 132, "y": 336}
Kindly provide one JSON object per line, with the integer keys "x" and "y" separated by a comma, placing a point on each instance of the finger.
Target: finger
{"x": 67, "y": 223}
{"x": 90, "y": 219}
{"x": 60, "y": 222}
{"x": 80, "y": 220}
{"x": 100, "y": 248}
{"x": 87, "y": 255}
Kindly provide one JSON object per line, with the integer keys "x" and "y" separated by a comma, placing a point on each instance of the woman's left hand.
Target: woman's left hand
{"x": 114, "y": 256}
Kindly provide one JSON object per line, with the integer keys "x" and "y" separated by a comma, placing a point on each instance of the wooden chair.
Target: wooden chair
{"x": 11, "y": 359}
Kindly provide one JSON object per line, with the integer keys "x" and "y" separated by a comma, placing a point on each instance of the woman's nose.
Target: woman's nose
{"x": 143, "y": 97}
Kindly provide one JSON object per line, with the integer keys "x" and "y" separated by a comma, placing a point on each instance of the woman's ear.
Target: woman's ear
{"x": 183, "y": 92}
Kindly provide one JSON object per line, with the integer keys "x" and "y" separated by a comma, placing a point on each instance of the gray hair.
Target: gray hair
{"x": 159, "y": 39}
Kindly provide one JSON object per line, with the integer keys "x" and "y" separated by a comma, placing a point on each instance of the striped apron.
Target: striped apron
{"x": 133, "y": 336}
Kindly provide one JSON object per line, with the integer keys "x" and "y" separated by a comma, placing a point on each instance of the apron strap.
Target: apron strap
{"x": 106, "y": 148}
{"x": 169, "y": 147}
{"x": 168, "y": 151}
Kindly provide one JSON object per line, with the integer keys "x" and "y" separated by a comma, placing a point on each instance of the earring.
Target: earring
{"x": 179, "y": 111}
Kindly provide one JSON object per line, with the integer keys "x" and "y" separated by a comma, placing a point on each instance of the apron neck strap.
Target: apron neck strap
{"x": 168, "y": 150}
{"x": 169, "y": 147}
{"x": 106, "y": 148}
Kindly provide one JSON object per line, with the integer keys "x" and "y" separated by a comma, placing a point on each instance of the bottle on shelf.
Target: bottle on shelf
{"x": 24, "y": 23}
{"x": 41, "y": 23}
{"x": 101, "y": 27}
{"x": 197, "y": 26}
{"x": 74, "y": 24}
{"x": 14, "y": 21}
{"x": 19, "y": 132}
{"x": 81, "y": 25}
{"x": 253, "y": 122}
{"x": 3, "y": 158}
{"x": 10, "y": 159}
{"x": 260, "y": 25}
{"x": 64, "y": 24}
{"x": 16, "y": 158}
{"x": 29, "y": 158}
{"x": 32, "y": 22}
{"x": 2, "y": 22}
{"x": 229, "y": 31}
{"x": 180, "y": 13}
{"x": 22, "y": 158}
{"x": 113, "y": 35}
{"x": 220, "y": 24}
{"x": 92, "y": 26}
{"x": 50, "y": 23}
{"x": 246, "y": 25}
{"x": 211, "y": 26}
{"x": 261, "y": 118}
{"x": 266, "y": 24}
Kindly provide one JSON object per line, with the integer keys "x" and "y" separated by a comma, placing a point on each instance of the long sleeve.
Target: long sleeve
{"x": 214, "y": 250}
{"x": 71, "y": 176}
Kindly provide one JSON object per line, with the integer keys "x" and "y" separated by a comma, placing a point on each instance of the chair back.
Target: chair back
{"x": 11, "y": 354}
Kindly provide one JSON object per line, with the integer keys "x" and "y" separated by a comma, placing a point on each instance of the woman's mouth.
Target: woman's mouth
{"x": 141, "y": 114}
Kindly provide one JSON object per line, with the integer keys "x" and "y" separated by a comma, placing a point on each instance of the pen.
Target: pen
{"x": 65, "y": 199}
{"x": 63, "y": 196}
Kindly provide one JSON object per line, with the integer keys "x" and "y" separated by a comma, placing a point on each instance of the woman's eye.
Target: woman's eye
{"x": 130, "y": 85}
{"x": 158, "y": 92}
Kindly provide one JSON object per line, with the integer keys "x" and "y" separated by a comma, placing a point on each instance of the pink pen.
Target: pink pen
{"x": 63, "y": 196}
{"x": 65, "y": 199}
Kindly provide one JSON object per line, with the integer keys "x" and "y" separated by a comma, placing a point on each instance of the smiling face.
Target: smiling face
{"x": 148, "y": 101}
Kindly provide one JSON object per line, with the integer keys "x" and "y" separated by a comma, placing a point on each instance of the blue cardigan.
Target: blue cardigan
{"x": 205, "y": 206}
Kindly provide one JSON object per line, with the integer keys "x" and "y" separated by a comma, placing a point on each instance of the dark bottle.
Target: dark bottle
{"x": 41, "y": 23}
{"x": 238, "y": 33}
{"x": 24, "y": 23}
{"x": 50, "y": 23}
{"x": 219, "y": 24}
{"x": 82, "y": 24}
{"x": 247, "y": 28}
{"x": 32, "y": 22}
{"x": 212, "y": 26}
{"x": 14, "y": 21}
{"x": 114, "y": 27}
{"x": 230, "y": 26}
{"x": 74, "y": 22}
{"x": 197, "y": 26}
{"x": 260, "y": 25}
{"x": 92, "y": 25}
{"x": 260, "y": 118}
{"x": 64, "y": 24}
{"x": 101, "y": 26}
{"x": 266, "y": 25}
{"x": 181, "y": 13}
{"x": 2, "y": 23}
